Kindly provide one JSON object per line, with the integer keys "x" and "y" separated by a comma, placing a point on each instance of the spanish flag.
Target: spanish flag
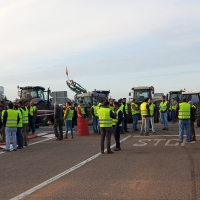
{"x": 66, "y": 71}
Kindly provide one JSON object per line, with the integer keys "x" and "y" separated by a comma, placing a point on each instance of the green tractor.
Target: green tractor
{"x": 140, "y": 94}
{"x": 195, "y": 98}
{"x": 177, "y": 95}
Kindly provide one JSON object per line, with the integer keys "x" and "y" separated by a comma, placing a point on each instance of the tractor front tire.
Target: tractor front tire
{"x": 43, "y": 119}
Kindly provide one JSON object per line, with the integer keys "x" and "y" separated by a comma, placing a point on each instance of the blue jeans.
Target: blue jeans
{"x": 151, "y": 124}
{"x": 135, "y": 122}
{"x": 94, "y": 123}
{"x": 32, "y": 124}
{"x": 164, "y": 117}
{"x": 161, "y": 119}
{"x": 99, "y": 129}
{"x": 68, "y": 123}
{"x": 185, "y": 123}
{"x": 11, "y": 131}
{"x": 173, "y": 115}
{"x": 19, "y": 137}
{"x": 122, "y": 127}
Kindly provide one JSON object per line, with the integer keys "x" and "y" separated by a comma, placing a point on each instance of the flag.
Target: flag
{"x": 66, "y": 71}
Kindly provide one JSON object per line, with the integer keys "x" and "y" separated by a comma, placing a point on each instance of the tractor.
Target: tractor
{"x": 140, "y": 94}
{"x": 195, "y": 98}
{"x": 89, "y": 98}
{"x": 177, "y": 95}
{"x": 36, "y": 94}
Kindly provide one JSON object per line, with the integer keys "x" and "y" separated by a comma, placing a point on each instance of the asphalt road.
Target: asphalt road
{"x": 148, "y": 167}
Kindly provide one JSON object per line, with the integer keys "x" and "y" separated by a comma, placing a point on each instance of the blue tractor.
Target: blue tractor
{"x": 39, "y": 97}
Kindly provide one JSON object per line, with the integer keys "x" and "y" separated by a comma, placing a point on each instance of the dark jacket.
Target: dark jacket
{"x": 166, "y": 109}
{"x": 112, "y": 114}
{"x": 58, "y": 114}
{"x": 5, "y": 116}
{"x": 120, "y": 118}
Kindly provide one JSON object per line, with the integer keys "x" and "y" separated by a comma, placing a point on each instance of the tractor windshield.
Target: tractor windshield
{"x": 176, "y": 96}
{"x": 192, "y": 97}
{"x": 29, "y": 94}
{"x": 86, "y": 101}
{"x": 140, "y": 95}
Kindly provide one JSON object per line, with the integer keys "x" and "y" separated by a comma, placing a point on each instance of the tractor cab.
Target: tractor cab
{"x": 177, "y": 95}
{"x": 192, "y": 96}
{"x": 89, "y": 98}
{"x": 141, "y": 93}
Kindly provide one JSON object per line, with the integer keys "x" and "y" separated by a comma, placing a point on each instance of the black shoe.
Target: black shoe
{"x": 110, "y": 152}
{"x": 122, "y": 132}
{"x": 19, "y": 147}
{"x": 102, "y": 152}
{"x": 117, "y": 149}
{"x": 164, "y": 129}
{"x": 14, "y": 149}
{"x": 127, "y": 131}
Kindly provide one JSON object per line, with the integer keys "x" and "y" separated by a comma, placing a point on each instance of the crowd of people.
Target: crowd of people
{"x": 16, "y": 122}
{"x": 109, "y": 117}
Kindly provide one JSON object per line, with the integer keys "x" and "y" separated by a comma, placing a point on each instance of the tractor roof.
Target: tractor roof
{"x": 101, "y": 91}
{"x": 142, "y": 88}
{"x": 32, "y": 87}
{"x": 191, "y": 93}
{"x": 176, "y": 91}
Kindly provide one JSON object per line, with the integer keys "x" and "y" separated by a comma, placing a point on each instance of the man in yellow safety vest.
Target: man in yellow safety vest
{"x": 172, "y": 109}
{"x": 183, "y": 112}
{"x": 94, "y": 116}
{"x": 105, "y": 120}
{"x": 10, "y": 121}
{"x": 164, "y": 107}
{"x": 145, "y": 113}
{"x": 135, "y": 109}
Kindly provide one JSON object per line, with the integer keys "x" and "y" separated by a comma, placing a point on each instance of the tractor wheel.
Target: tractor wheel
{"x": 130, "y": 117}
{"x": 198, "y": 116}
{"x": 43, "y": 119}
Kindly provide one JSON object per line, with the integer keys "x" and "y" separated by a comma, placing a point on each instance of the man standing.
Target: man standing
{"x": 2, "y": 131}
{"x": 116, "y": 124}
{"x": 183, "y": 112}
{"x": 81, "y": 110}
{"x": 31, "y": 115}
{"x": 135, "y": 113}
{"x": 94, "y": 117}
{"x": 164, "y": 107}
{"x": 99, "y": 106}
{"x": 192, "y": 120}
{"x": 111, "y": 105}
{"x": 19, "y": 128}
{"x": 24, "y": 130}
{"x": 145, "y": 112}
{"x": 122, "y": 108}
{"x": 58, "y": 121}
{"x": 125, "y": 114}
{"x": 10, "y": 121}
{"x": 68, "y": 119}
{"x": 151, "y": 120}
{"x": 172, "y": 108}
{"x": 105, "y": 120}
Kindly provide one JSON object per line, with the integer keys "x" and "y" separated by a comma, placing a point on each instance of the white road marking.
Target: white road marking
{"x": 158, "y": 141}
{"x": 41, "y": 134}
{"x": 40, "y": 141}
{"x": 159, "y": 136}
{"x": 49, "y": 136}
{"x": 168, "y": 143}
{"x": 21, "y": 196}
{"x": 142, "y": 144}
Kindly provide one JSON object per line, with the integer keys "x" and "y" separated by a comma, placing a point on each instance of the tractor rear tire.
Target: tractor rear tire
{"x": 43, "y": 119}
{"x": 130, "y": 117}
{"x": 198, "y": 117}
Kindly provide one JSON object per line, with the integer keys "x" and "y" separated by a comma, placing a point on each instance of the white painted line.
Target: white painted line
{"x": 158, "y": 136}
{"x": 21, "y": 196}
{"x": 39, "y": 141}
{"x": 41, "y": 134}
{"x": 49, "y": 136}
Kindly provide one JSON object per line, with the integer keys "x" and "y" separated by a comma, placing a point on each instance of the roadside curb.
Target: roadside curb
{"x": 30, "y": 137}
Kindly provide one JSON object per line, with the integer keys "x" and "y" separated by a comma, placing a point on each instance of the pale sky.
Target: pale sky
{"x": 107, "y": 44}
